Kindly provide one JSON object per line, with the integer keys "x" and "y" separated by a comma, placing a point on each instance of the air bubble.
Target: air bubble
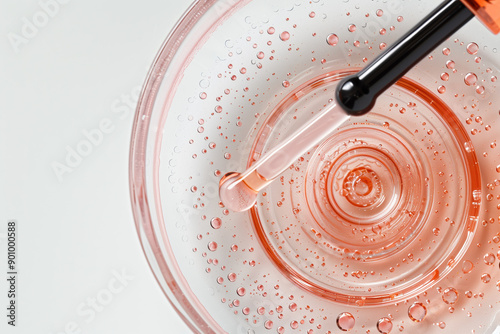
{"x": 345, "y": 321}
{"x": 216, "y": 223}
{"x": 417, "y": 312}
{"x": 450, "y": 296}
{"x": 470, "y": 79}
{"x": 384, "y": 325}
{"x": 489, "y": 259}
{"x": 285, "y": 36}
{"x": 212, "y": 246}
{"x": 472, "y": 48}
{"x": 332, "y": 39}
{"x": 485, "y": 278}
{"x": 467, "y": 267}
{"x": 241, "y": 291}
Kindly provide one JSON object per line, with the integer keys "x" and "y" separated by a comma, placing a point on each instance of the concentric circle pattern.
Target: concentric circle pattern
{"x": 390, "y": 224}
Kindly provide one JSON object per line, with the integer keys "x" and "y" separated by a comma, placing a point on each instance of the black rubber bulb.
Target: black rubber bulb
{"x": 357, "y": 93}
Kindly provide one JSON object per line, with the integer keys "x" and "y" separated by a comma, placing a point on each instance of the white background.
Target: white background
{"x": 65, "y": 70}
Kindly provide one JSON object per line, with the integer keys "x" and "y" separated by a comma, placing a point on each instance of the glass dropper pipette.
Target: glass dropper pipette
{"x": 356, "y": 95}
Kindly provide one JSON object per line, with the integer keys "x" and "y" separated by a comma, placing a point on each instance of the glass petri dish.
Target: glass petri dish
{"x": 391, "y": 224}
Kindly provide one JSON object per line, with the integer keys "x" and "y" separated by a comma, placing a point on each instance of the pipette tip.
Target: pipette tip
{"x": 235, "y": 194}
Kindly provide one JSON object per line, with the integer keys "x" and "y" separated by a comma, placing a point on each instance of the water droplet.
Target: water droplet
{"x": 268, "y": 324}
{"x": 204, "y": 83}
{"x": 446, "y": 51}
{"x": 212, "y": 246}
{"x": 345, "y": 321}
{"x": 417, "y": 312}
{"x": 271, "y": 30}
{"x": 352, "y": 28}
{"x": 445, "y": 76}
{"x": 292, "y": 307}
{"x": 379, "y": 12}
{"x": 260, "y": 55}
{"x": 286, "y": 84}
